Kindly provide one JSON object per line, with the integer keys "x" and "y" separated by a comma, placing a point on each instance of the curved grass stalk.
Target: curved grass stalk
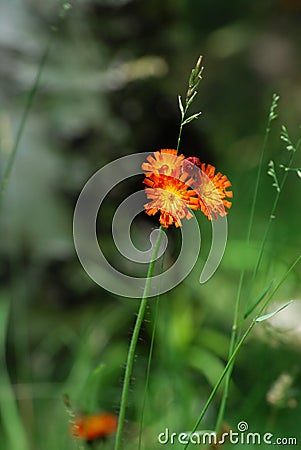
{"x": 148, "y": 370}
{"x": 149, "y": 361}
{"x": 272, "y": 214}
{"x": 229, "y": 364}
{"x": 133, "y": 343}
{"x": 32, "y": 93}
{"x": 236, "y": 327}
{"x": 12, "y": 423}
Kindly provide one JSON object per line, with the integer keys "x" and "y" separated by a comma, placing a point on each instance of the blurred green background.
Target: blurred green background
{"x": 109, "y": 88}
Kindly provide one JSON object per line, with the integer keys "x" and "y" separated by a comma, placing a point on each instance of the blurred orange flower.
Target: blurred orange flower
{"x": 95, "y": 426}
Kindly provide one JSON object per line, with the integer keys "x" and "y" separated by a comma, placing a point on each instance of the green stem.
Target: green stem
{"x": 271, "y": 218}
{"x": 11, "y": 420}
{"x": 148, "y": 372}
{"x": 133, "y": 344}
{"x": 183, "y": 117}
{"x": 54, "y": 29}
{"x": 259, "y": 172}
{"x": 180, "y": 133}
{"x": 236, "y": 323}
{"x": 238, "y": 346}
{"x": 235, "y": 326}
{"x": 233, "y": 339}
{"x": 183, "y": 114}
{"x": 149, "y": 361}
{"x": 28, "y": 105}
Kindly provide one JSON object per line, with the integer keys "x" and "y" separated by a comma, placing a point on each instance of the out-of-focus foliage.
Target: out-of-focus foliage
{"x": 109, "y": 88}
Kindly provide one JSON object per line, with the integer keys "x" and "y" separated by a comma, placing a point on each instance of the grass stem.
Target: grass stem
{"x": 238, "y": 346}
{"x": 29, "y": 101}
{"x": 11, "y": 420}
{"x": 236, "y": 323}
{"x": 149, "y": 362}
{"x": 133, "y": 343}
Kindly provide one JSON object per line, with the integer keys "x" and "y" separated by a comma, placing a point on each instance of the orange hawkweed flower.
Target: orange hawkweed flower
{"x": 211, "y": 189}
{"x": 94, "y": 426}
{"x": 177, "y": 184}
{"x": 172, "y": 197}
{"x": 164, "y": 162}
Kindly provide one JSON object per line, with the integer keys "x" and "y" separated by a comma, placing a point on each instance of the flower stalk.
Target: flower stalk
{"x": 133, "y": 343}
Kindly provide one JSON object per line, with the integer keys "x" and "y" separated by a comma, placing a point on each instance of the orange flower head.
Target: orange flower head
{"x": 164, "y": 162}
{"x": 212, "y": 192}
{"x": 172, "y": 197}
{"x": 94, "y": 426}
{"x": 176, "y": 185}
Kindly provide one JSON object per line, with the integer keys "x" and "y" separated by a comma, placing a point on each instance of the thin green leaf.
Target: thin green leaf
{"x": 190, "y": 99}
{"x": 260, "y": 298}
{"x": 181, "y": 106}
{"x": 272, "y": 314}
{"x": 189, "y": 119}
{"x": 237, "y": 348}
